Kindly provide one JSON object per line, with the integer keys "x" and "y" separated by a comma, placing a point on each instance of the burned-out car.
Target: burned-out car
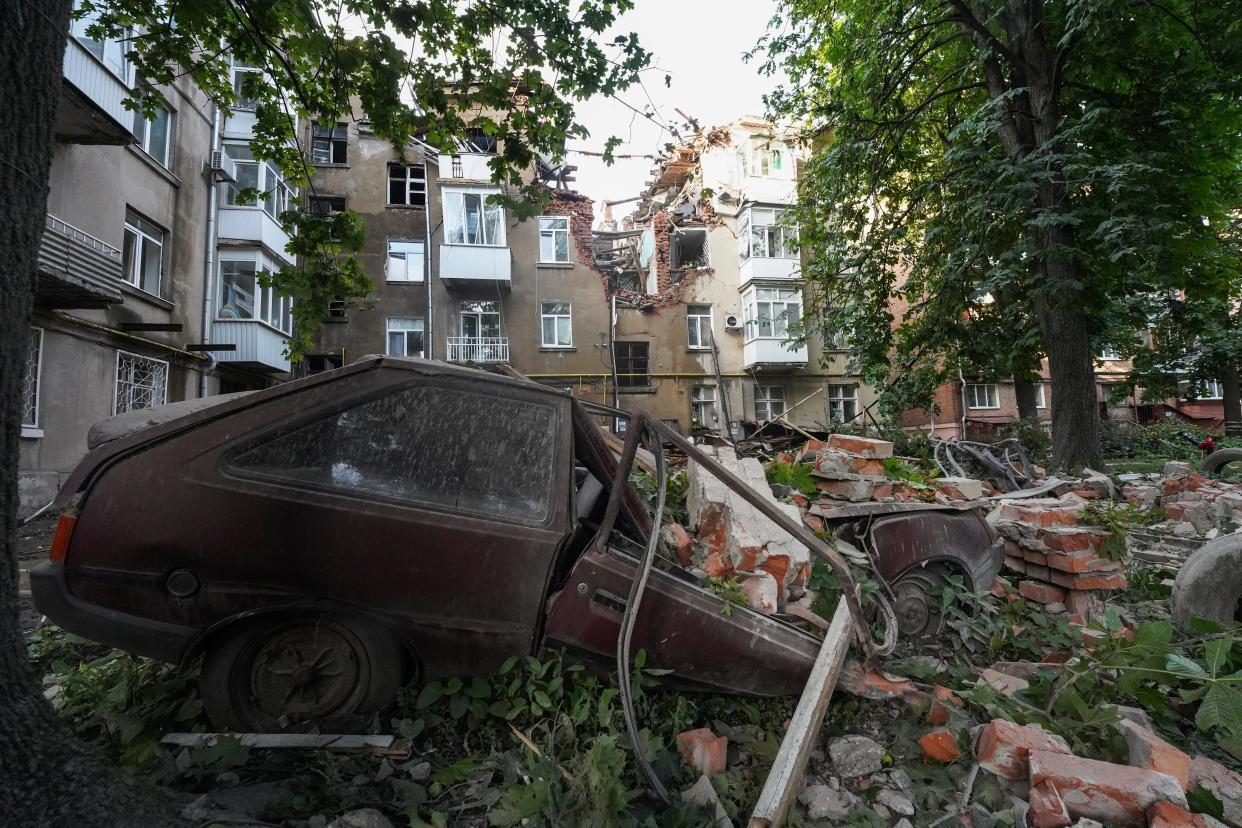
{"x": 323, "y": 541}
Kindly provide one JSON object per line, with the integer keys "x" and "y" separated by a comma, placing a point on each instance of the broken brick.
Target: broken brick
{"x": 1041, "y": 593}
{"x": 813, "y": 522}
{"x": 853, "y": 490}
{"x": 677, "y": 538}
{"x": 762, "y": 591}
{"x": 1004, "y": 747}
{"x": 1002, "y": 683}
{"x": 1016, "y": 564}
{"x": 1167, "y": 815}
{"x": 1147, "y": 750}
{"x": 777, "y": 566}
{"x": 866, "y": 466}
{"x": 863, "y": 446}
{"x": 1071, "y": 539}
{"x": 942, "y": 697}
{"x": 703, "y": 750}
{"x": 1047, "y": 808}
{"x": 1084, "y": 561}
{"x": 1103, "y": 791}
{"x": 1223, "y": 783}
{"x": 1001, "y": 586}
{"x": 1089, "y": 580}
{"x": 939, "y": 746}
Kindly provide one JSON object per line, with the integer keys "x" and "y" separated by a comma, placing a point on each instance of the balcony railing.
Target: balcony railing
{"x": 91, "y": 109}
{"x": 77, "y": 270}
{"x": 476, "y": 266}
{"x": 478, "y": 349}
{"x": 259, "y": 346}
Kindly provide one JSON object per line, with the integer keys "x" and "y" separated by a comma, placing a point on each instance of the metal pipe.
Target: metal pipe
{"x": 429, "y": 340}
{"x": 95, "y": 326}
{"x": 209, "y": 257}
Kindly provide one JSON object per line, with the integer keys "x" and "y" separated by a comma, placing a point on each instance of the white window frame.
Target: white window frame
{"x": 760, "y": 298}
{"x": 841, "y": 396}
{"x": 411, "y": 185}
{"x": 331, "y": 142}
{"x": 1108, "y": 353}
{"x": 404, "y": 250}
{"x": 990, "y": 398}
{"x": 550, "y": 233}
{"x": 33, "y": 389}
{"x": 237, "y": 70}
{"x": 765, "y": 400}
{"x": 556, "y": 318}
{"x": 769, "y": 162}
{"x": 144, "y": 128}
{"x": 1212, "y": 390}
{"x": 143, "y": 231}
{"x": 113, "y": 52}
{"x": 1041, "y": 395}
{"x": 275, "y": 194}
{"x": 455, "y": 201}
{"x": 703, "y": 408}
{"x": 161, "y": 370}
{"x": 698, "y": 328}
{"x": 404, "y": 326}
{"x": 760, "y": 230}
{"x": 277, "y": 307}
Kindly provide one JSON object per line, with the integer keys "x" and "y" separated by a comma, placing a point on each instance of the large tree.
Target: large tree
{"x": 1022, "y": 160}
{"x": 426, "y": 68}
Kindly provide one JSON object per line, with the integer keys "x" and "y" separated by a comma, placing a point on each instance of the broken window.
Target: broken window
{"x": 477, "y": 140}
{"x": 763, "y": 234}
{"x": 699, "y": 325}
{"x": 407, "y": 185}
{"x": 554, "y": 238}
{"x": 329, "y": 143}
{"x": 842, "y": 403}
{"x": 982, "y": 395}
{"x": 469, "y": 218}
{"x": 769, "y": 402}
{"x": 688, "y": 248}
{"x": 557, "y": 324}
{"x": 326, "y": 205}
{"x": 703, "y": 407}
{"x": 318, "y": 363}
{"x": 632, "y": 364}
{"x": 441, "y": 448}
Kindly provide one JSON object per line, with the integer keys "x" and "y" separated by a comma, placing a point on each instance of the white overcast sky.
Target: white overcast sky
{"x": 700, "y": 44}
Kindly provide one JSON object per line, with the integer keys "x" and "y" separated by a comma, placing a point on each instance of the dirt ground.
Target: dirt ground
{"x": 33, "y": 542}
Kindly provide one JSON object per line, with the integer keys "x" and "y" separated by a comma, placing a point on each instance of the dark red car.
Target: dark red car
{"x": 326, "y": 540}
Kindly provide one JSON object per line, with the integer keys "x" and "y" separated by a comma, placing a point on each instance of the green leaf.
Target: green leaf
{"x": 452, "y": 686}
{"x": 458, "y": 706}
{"x": 1203, "y": 801}
{"x": 1177, "y": 663}
{"x": 429, "y": 695}
{"x": 1221, "y": 707}
{"x": 542, "y": 698}
{"x": 1216, "y": 653}
{"x": 508, "y": 665}
{"x": 479, "y": 688}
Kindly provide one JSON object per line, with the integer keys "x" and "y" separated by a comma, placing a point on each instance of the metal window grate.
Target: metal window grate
{"x": 140, "y": 382}
{"x": 30, "y": 380}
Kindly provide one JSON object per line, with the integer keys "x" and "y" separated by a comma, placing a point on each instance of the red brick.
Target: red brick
{"x": 803, "y": 576}
{"x": 1062, "y": 539}
{"x": 942, "y": 697}
{"x": 1033, "y": 557}
{"x": 863, "y": 446}
{"x": 1016, "y": 564}
{"x": 681, "y": 543}
{"x": 1089, "y": 580}
{"x": 762, "y": 591}
{"x": 1004, "y": 747}
{"x": 716, "y": 565}
{"x": 1084, "y": 561}
{"x": 866, "y": 466}
{"x": 1003, "y": 683}
{"x": 1103, "y": 791}
{"x": 800, "y": 500}
{"x": 777, "y": 566}
{"x": 1224, "y": 784}
{"x": 1167, "y": 815}
{"x": 1001, "y": 586}
{"x": 939, "y": 746}
{"x": 1041, "y": 593}
{"x": 1012, "y": 549}
{"x": 881, "y": 491}
{"x": 813, "y": 522}
{"x": 1037, "y": 572}
{"x": 1047, "y": 809}
{"x": 877, "y": 686}
{"x": 810, "y": 449}
{"x": 703, "y": 750}
{"x": 1049, "y": 517}
{"x": 1147, "y": 750}
{"x": 1082, "y": 602}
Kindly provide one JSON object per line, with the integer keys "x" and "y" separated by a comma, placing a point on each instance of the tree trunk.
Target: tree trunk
{"x": 1232, "y": 399}
{"x": 1025, "y": 393}
{"x": 1071, "y": 364}
{"x": 47, "y": 777}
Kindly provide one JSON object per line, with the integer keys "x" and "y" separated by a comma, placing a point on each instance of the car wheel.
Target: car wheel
{"x": 1209, "y": 584}
{"x": 1217, "y": 460}
{"x": 292, "y": 672}
{"x": 918, "y": 602}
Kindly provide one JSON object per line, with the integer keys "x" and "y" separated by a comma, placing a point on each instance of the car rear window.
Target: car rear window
{"x": 440, "y": 447}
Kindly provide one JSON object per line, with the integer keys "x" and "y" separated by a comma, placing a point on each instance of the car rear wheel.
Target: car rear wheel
{"x": 918, "y": 602}
{"x": 294, "y": 672}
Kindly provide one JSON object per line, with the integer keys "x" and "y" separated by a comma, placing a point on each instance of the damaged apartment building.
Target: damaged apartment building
{"x": 708, "y": 291}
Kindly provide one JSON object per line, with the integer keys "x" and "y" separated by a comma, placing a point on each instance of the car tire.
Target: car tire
{"x": 917, "y": 601}
{"x": 1209, "y": 584}
{"x": 291, "y": 673}
{"x": 1217, "y": 460}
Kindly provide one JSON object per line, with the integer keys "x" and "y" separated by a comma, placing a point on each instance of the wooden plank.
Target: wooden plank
{"x": 782, "y": 784}
{"x": 382, "y": 745}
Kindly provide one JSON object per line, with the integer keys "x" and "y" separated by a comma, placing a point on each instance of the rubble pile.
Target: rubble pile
{"x": 1192, "y": 503}
{"x": 849, "y": 468}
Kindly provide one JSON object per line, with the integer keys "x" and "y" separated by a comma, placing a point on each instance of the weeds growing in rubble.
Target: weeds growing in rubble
{"x": 730, "y": 592}
{"x": 675, "y": 497}
{"x": 796, "y": 476}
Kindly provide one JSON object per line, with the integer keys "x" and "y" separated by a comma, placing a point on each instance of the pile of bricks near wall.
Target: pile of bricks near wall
{"x": 1194, "y": 503}
{"x": 1057, "y": 560}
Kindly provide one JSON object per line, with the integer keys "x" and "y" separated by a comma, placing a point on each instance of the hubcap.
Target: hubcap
{"x": 918, "y": 604}
{"x": 307, "y": 670}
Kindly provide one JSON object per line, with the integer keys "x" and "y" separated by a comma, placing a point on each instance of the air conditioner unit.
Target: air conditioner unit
{"x": 222, "y": 167}
{"x": 733, "y": 323}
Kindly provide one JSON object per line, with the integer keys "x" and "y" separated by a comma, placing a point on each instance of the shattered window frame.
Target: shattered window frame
{"x": 990, "y": 392}
{"x": 556, "y": 318}
{"x": 408, "y": 182}
{"x": 555, "y": 230}
{"x": 769, "y": 402}
{"x": 329, "y": 144}
{"x": 699, "y": 327}
{"x": 842, "y": 402}
{"x": 703, "y": 410}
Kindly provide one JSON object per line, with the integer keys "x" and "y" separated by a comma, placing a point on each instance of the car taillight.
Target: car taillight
{"x": 60, "y": 543}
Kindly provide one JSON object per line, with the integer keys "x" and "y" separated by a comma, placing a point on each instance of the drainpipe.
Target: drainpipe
{"x": 612, "y": 350}
{"x": 209, "y": 259}
{"x": 962, "y": 426}
{"x": 429, "y": 341}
